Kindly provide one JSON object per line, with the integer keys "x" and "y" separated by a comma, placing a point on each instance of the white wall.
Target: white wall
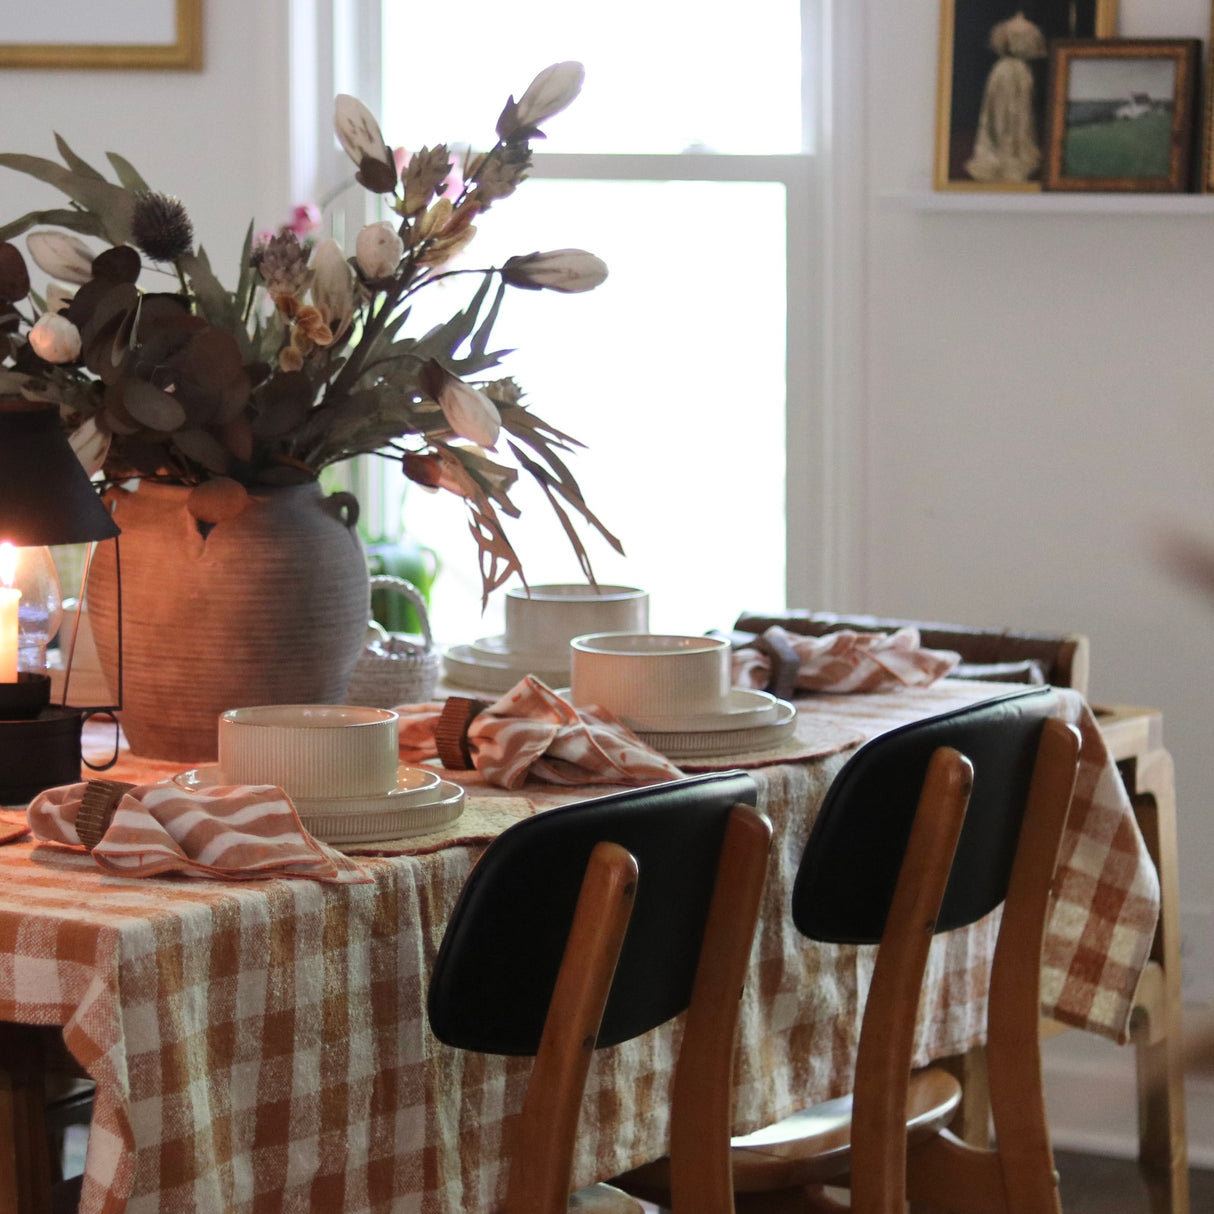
{"x": 1040, "y": 399}
{"x": 218, "y": 139}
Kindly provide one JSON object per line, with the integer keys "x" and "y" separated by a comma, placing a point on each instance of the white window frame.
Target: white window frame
{"x": 335, "y": 47}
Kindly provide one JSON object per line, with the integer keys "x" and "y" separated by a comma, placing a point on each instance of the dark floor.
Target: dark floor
{"x": 1096, "y": 1184}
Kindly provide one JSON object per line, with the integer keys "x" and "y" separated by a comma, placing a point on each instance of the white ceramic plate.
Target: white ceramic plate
{"x": 745, "y": 710}
{"x": 462, "y": 665}
{"x": 422, "y": 801}
{"x": 691, "y": 744}
{"x": 497, "y": 649}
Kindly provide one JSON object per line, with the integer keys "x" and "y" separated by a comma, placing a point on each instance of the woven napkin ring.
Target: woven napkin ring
{"x": 451, "y": 732}
{"x": 97, "y": 807}
{"x": 785, "y": 664}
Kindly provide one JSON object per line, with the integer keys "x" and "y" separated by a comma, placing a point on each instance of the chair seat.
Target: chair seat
{"x": 811, "y": 1146}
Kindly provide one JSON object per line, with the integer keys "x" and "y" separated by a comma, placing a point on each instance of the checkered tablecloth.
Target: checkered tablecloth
{"x": 263, "y": 1046}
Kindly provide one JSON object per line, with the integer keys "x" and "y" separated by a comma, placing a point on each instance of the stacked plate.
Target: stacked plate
{"x": 674, "y": 693}
{"x": 540, "y": 623}
{"x": 491, "y": 665}
{"x": 422, "y": 801}
{"x": 338, "y": 763}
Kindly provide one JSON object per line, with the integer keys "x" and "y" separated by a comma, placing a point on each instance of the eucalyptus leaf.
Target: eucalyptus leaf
{"x": 203, "y": 448}
{"x": 151, "y": 407}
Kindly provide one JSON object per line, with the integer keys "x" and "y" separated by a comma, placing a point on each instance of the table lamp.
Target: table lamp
{"x": 46, "y": 498}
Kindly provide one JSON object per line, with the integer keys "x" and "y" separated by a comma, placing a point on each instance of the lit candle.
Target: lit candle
{"x": 9, "y": 598}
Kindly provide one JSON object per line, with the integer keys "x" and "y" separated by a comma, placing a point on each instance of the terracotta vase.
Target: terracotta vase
{"x": 269, "y": 607}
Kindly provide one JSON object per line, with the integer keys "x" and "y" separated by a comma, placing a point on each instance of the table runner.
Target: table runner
{"x": 264, "y": 1046}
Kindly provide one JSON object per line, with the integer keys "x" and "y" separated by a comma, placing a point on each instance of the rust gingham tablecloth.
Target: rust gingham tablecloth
{"x": 262, "y": 1046}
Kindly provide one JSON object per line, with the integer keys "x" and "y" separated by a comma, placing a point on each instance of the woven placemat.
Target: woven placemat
{"x": 816, "y": 737}
{"x": 483, "y": 819}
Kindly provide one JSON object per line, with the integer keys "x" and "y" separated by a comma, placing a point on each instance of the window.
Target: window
{"x": 684, "y": 165}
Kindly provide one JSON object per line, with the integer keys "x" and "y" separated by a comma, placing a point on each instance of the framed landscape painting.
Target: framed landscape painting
{"x": 1121, "y": 114}
{"x": 991, "y": 89}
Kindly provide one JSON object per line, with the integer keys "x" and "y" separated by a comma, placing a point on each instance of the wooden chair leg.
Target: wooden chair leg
{"x": 1159, "y": 1042}
{"x": 25, "y": 1163}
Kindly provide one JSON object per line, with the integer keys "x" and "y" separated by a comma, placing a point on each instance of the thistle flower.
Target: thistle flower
{"x": 567, "y": 270}
{"x": 55, "y": 339}
{"x": 549, "y": 93}
{"x": 378, "y": 249}
{"x": 61, "y": 256}
{"x": 161, "y": 226}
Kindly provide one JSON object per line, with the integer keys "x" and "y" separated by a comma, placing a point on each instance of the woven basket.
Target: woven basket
{"x": 396, "y": 670}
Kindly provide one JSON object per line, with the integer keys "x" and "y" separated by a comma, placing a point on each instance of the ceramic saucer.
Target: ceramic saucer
{"x": 469, "y": 667}
{"x": 692, "y": 743}
{"x": 421, "y": 801}
{"x": 744, "y": 710}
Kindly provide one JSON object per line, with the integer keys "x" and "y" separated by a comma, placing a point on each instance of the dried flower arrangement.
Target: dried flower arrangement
{"x": 306, "y": 363}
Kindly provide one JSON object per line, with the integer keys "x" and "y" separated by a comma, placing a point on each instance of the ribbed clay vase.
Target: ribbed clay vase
{"x": 269, "y": 607}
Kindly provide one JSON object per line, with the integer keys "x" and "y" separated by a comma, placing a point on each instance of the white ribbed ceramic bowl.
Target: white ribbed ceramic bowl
{"x": 643, "y": 674}
{"x": 311, "y": 750}
{"x": 542, "y": 624}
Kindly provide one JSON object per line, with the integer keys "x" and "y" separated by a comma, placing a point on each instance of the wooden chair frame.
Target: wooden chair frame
{"x": 541, "y": 1145}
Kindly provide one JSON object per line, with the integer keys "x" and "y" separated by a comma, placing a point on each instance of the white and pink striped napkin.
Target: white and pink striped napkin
{"x": 241, "y": 832}
{"x": 847, "y": 661}
{"x": 533, "y": 731}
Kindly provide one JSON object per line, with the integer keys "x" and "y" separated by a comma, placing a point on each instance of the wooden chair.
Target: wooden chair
{"x": 1133, "y": 737}
{"x": 879, "y": 867}
{"x": 669, "y": 899}
{"x": 1001, "y": 654}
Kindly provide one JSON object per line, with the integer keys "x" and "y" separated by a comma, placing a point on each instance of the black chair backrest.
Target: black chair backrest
{"x": 850, "y": 866}
{"x": 497, "y": 965}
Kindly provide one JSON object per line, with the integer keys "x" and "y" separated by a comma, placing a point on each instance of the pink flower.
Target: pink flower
{"x": 305, "y": 219}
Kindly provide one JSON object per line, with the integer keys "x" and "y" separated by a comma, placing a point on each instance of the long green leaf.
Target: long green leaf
{"x": 214, "y": 302}
{"x": 84, "y": 222}
{"x": 111, "y": 203}
{"x": 127, "y": 173}
{"x": 77, "y": 163}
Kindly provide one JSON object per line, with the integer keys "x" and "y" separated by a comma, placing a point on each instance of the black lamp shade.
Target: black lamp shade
{"x": 45, "y": 495}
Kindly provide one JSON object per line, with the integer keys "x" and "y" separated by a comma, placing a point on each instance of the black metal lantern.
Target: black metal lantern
{"x": 46, "y": 498}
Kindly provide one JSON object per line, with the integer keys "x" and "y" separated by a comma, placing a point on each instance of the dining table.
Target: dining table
{"x": 262, "y": 1045}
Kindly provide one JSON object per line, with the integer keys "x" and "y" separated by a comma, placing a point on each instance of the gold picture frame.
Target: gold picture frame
{"x": 966, "y": 68}
{"x": 1121, "y": 114}
{"x": 93, "y": 43}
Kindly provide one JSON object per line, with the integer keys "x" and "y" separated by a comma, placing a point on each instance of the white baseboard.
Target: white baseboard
{"x": 1091, "y": 1095}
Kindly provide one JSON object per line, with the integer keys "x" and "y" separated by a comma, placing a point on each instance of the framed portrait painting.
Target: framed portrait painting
{"x": 1121, "y": 114}
{"x": 992, "y": 82}
{"x": 152, "y": 34}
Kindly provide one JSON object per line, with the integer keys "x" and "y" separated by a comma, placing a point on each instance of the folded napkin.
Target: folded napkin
{"x": 241, "y": 832}
{"x": 533, "y": 731}
{"x": 846, "y": 661}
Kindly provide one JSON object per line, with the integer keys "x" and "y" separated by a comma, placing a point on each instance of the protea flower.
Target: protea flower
{"x": 283, "y": 263}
